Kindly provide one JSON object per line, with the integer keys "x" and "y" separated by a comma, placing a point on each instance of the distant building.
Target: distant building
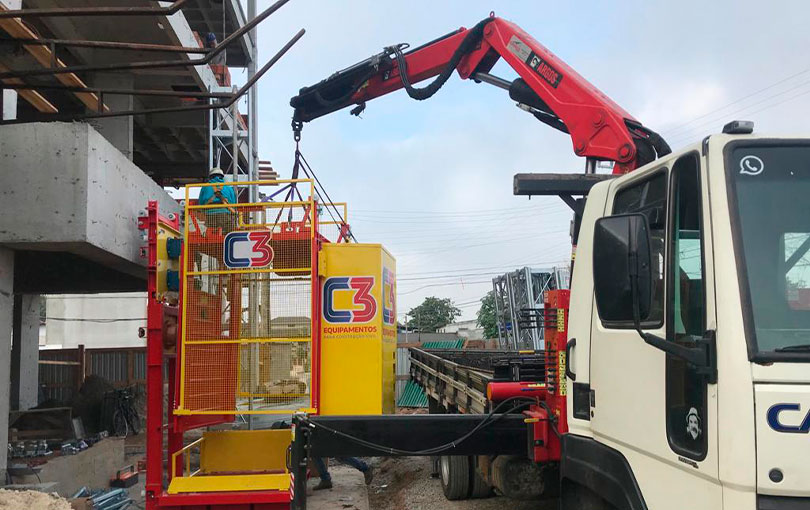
{"x": 97, "y": 321}
{"x": 467, "y": 330}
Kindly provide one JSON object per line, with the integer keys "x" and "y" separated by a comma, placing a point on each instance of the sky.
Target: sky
{"x": 432, "y": 180}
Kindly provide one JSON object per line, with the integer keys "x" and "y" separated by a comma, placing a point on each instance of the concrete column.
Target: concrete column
{"x": 6, "y": 317}
{"x": 25, "y": 352}
{"x": 117, "y": 130}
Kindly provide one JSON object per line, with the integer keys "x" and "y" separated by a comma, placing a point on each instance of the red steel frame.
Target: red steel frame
{"x": 595, "y": 122}
{"x": 599, "y": 128}
{"x": 547, "y": 417}
{"x": 549, "y": 422}
{"x": 316, "y": 312}
{"x": 156, "y": 357}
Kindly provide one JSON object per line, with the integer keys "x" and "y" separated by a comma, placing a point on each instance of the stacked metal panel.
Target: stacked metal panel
{"x": 519, "y": 304}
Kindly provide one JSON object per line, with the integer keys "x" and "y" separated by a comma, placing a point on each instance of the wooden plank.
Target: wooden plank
{"x": 60, "y": 363}
{"x": 41, "y": 434}
{"x": 54, "y": 410}
{"x": 408, "y": 344}
{"x": 82, "y": 372}
{"x": 43, "y": 55}
{"x": 33, "y": 97}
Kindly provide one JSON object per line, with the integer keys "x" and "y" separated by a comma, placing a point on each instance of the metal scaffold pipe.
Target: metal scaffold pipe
{"x": 93, "y": 11}
{"x": 153, "y": 64}
{"x": 225, "y": 104}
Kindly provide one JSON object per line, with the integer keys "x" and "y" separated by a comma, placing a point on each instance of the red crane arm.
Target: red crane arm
{"x": 550, "y": 89}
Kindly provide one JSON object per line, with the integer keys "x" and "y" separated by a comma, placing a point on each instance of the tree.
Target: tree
{"x": 486, "y": 316}
{"x": 432, "y": 314}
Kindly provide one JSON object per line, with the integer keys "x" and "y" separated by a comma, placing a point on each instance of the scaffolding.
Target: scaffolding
{"x": 519, "y": 305}
{"x": 229, "y": 136}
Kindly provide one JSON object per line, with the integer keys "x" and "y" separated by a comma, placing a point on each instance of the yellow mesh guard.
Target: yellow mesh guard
{"x": 247, "y": 302}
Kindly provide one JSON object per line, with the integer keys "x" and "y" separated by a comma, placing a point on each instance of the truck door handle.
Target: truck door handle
{"x": 568, "y": 346}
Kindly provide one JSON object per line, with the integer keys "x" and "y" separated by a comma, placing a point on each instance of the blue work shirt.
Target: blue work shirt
{"x": 207, "y": 195}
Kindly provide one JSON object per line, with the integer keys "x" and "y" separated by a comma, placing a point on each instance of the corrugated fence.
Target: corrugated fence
{"x": 61, "y": 371}
{"x": 426, "y": 340}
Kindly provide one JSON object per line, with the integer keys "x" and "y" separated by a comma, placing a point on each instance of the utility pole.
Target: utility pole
{"x": 253, "y": 190}
{"x": 253, "y": 124}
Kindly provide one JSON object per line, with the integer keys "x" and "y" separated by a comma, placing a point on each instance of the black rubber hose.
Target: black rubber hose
{"x": 661, "y": 146}
{"x": 469, "y": 43}
{"x": 488, "y": 420}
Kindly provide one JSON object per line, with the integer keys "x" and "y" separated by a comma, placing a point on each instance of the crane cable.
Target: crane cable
{"x": 302, "y": 164}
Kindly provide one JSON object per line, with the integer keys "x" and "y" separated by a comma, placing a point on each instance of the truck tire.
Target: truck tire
{"x": 455, "y": 476}
{"x": 480, "y": 488}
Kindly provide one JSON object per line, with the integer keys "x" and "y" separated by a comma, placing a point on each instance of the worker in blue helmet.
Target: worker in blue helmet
{"x": 218, "y": 217}
{"x": 211, "y": 42}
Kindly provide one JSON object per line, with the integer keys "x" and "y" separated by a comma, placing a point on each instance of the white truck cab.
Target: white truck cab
{"x": 711, "y": 408}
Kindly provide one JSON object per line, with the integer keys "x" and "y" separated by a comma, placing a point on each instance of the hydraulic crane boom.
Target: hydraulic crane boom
{"x": 547, "y": 87}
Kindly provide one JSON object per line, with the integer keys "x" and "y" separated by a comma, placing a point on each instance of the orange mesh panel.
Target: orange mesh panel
{"x": 247, "y": 308}
{"x": 210, "y": 373}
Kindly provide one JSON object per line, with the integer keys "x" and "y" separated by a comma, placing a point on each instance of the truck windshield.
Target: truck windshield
{"x": 770, "y": 190}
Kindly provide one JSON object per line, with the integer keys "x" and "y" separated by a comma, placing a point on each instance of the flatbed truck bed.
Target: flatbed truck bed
{"x": 456, "y": 380}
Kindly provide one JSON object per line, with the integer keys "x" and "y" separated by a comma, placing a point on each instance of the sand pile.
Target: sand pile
{"x": 31, "y": 500}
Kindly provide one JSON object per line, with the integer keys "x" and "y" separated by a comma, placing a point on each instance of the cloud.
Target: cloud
{"x": 456, "y": 153}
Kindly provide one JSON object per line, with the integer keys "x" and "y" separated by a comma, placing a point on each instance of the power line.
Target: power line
{"x": 473, "y": 211}
{"x": 736, "y": 101}
{"x": 444, "y": 285}
{"x": 444, "y": 271}
{"x": 451, "y": 230}
{"x": 433, "y": 220}
{"x": 767, "y": 107}
{"x": 403, "y": 247}
{"x": 447, "y": 276}
{"x": 498, "y": 241}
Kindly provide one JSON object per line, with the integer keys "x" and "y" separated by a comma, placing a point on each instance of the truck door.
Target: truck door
{"x": 650, "y": 406}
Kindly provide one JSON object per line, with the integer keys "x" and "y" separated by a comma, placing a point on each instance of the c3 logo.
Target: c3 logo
{"x": 248, "y": 249}
{"x": 364, "y": 307}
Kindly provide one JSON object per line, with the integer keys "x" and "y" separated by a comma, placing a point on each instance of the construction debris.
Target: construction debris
{"x": 114, "y": 499}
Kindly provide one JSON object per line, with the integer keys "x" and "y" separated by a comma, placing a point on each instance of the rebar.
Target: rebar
{"x": 224, "y": 104}
{"x": 93, "y": 11}
{"x": 219, "y": 48}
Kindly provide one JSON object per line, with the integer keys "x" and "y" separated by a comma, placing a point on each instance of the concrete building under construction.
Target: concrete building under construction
{"x": 103, "y": 107}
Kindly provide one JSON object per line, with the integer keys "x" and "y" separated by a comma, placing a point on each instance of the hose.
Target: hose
{"x": 469, "y": 43}
{"x": 490, "y": 419}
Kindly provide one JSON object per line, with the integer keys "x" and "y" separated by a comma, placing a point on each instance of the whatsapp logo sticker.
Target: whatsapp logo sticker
{"x": 751, "y": 165}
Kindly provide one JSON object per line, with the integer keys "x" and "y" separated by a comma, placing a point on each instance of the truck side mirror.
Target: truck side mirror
{"x": 621, "y": 268}
{"x": 622, "y": 276}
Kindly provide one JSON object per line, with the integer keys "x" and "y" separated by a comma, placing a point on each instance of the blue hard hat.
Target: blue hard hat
{"x": 211, "y": 37}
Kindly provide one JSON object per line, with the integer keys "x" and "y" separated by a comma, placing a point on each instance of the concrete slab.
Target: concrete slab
{"x": 72, "y": 203}
{"x": 349, "y": 491}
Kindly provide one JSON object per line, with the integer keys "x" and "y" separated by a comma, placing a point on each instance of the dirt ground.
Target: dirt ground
{"x": 405, "y": 484}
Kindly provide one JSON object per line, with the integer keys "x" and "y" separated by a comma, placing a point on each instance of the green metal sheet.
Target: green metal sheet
{"x": 412, "y": 396}
{"x": 443, "y": 344}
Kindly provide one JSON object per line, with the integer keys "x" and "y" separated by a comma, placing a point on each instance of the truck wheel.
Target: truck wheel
{"x": 480, "y": 488}
{"x": 455, "y": 476}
